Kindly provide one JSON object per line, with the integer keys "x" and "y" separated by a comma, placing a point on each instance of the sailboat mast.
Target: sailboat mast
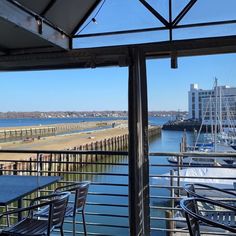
{"x": 216, "y": 94}
{"x": 220, "y": 111}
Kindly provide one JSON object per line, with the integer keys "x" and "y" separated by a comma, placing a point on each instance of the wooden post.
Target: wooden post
{"x": 86, "y": 156}
{"x": 74, "y": 160}
{"x": 67, "y": 159}
{"x": 50, "y": 165}
{"x": 15, "y": 166}
{"x": 96, "y": 148}
{"x": 104, "y": 144}
{"x": 169, "y": 223}
{"x": 80, "y": 156}
{"x": 41, "y": 164}
{"x": 29, "y": 166}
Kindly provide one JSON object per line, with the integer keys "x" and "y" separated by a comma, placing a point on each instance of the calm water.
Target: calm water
{"x": 31, "y": 122}
{"x": 169, "y": 141}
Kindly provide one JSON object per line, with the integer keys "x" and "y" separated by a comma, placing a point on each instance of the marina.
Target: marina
{"x": 88, "y": 155}
{"x": 83, "y": 150}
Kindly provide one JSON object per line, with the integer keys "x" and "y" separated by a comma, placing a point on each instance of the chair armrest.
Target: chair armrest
{"x": 208, "y": 187}
{"x": 206, "y": 220}
{"x": 24, "y": 209}
{"x": 217, "y": 203}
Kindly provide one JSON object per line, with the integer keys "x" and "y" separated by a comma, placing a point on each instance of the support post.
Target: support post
{"x": 139, "y": 212}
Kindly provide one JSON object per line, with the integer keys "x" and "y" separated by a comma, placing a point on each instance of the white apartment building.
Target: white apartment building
{"x": 204, "y": 104}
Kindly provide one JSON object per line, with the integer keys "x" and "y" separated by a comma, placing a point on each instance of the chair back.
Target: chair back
{"x": 81, "y": 191}
{"x": 190, "y": 209}
{"x": 81, "y": 195}
{"x": 57, "y": 209}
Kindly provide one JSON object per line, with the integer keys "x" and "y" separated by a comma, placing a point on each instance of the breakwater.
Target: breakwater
{"x": 28, "y": 134}
{"x": 55, "y": 163}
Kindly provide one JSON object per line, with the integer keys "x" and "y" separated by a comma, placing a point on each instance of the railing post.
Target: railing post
{"x": 139, "y": 212}
{"x": 178, "y": 173}
{"x": 171, "y": 213}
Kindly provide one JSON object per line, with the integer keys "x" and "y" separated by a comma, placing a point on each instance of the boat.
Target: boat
{"x": 222, "y": 178}
{"x": 203, "y": 161}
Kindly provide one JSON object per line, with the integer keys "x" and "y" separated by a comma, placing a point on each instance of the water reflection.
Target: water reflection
{"x": 107, "y": 195}
{"x": 169, "y": 141}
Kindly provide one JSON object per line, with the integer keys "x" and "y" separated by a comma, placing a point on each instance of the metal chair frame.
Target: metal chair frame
{"x": 191, "y": 190}
{"x": 193, "y": 217}
{"x": 56, "y": 204}
{"x": 81, "y": 190}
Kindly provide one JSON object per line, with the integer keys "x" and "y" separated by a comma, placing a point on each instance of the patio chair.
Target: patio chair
{"x": 225, "y": 219}
{"x": 79, "y": 191}
{"x": 31, "y": 226}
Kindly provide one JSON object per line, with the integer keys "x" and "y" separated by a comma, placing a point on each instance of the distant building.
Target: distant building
{"x": 204, "y": 104}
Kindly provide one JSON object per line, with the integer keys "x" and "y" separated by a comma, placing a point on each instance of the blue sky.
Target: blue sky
{"x": 107, "y": 88}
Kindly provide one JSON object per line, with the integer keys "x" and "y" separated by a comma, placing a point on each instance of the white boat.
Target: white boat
{"x": 204, "y": 161}
{"x": 210, "y": 176}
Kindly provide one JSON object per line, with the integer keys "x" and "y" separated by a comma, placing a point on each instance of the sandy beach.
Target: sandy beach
{"x": 62, "y": 142}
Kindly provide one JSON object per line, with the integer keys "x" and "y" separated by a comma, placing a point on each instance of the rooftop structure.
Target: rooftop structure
{"x": 55, "y": 34}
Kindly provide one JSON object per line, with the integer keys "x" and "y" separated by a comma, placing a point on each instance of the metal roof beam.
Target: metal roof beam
{"x": 143, "y": 30}
{"x": 155, "y": 13}
{"x": 93, "y": 7}
{"x": 183, "y": 13}
{"x": 11, "y": 12}
{"x": 50, "y": 4}
{"x": 116, "y": 55}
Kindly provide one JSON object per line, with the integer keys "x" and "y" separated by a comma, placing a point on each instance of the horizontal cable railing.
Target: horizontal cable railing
{"x": 107, "y": 203}
{"x": 107, "y": 206}
{"x": 166, "y": 188}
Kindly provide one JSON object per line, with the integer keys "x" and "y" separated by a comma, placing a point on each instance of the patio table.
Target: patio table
{"x": 15, "y": 187}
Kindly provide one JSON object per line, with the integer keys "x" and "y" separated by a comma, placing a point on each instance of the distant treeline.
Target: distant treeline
{"x": 75, "y": 114}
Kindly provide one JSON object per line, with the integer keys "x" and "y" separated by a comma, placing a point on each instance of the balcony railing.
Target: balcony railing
{"x": 107, "y": 210}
